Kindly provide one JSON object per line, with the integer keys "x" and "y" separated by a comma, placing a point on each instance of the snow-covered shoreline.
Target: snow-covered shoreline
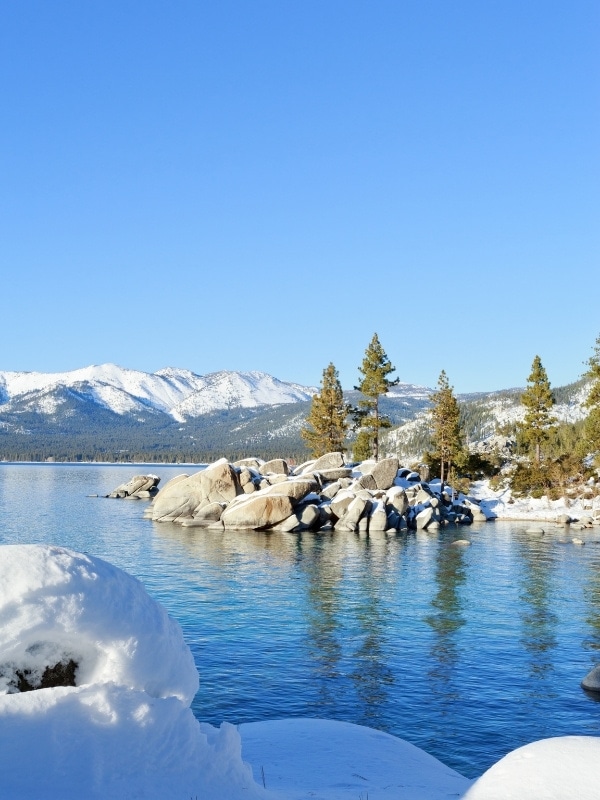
{"x": 502, "y": 505}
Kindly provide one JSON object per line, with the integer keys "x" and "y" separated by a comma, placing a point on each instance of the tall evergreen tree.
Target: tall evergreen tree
{"x": 538, "y": 401}
{"x": 445, "y": 419}
{"x": 326, "y": 424}
{"x": 592, "y": 422}
{"x": 375, "y": 369}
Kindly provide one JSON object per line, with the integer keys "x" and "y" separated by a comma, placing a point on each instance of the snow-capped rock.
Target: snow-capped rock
{"x": 57, "y": 607}
{"x": 121, "y": 725}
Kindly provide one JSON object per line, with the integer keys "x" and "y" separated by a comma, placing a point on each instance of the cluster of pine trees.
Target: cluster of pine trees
{"x": 553, "y": 453}
{"x": 331, "y": 417}
{"x": 558, "y": 454}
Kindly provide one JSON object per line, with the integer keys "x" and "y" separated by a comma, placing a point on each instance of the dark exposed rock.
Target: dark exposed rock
{"x": 61, "y": 674}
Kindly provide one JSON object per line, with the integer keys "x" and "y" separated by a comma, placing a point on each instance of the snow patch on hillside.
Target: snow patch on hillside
{"x": 115, "y": 399}
{"x": 498, "y": 410}
{"x": 46, "y": 405}
{"x": 226, "y": 390}
{"x": 411, "y": 390}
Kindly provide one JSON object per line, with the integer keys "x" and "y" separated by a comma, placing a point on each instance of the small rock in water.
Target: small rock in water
{"x": 575, "y": 540}
{"x": 138, "y": 486}
{"x": 591, "y": 682}
{"x": 461, "y": 542}
{"x": 535, "y": 529}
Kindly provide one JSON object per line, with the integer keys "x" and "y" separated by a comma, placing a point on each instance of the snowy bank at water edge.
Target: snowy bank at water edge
{"x": 501, "y": 504}
{"x": 96, "y": 683}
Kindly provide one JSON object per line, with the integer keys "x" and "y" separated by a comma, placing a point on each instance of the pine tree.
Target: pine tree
{"x": 326, "y": 424}
{"x": 445, "y": 418}
{"x": 592, "y": 422}
{"x": 538, "y": 401}
{"x": 375, "y": 369}
{"x": 363, "y": 446}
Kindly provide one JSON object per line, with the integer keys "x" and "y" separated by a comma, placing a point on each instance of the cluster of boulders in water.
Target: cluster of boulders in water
{"x": 323, "y": 494}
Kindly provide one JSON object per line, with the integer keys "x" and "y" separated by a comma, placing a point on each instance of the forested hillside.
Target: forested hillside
{"x": 483, "y": 415}
{"x": 79, "y": 430}
{"x": 82, "y": 431}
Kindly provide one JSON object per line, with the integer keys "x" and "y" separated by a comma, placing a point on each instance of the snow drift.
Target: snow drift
{"x": 125, "y": 728}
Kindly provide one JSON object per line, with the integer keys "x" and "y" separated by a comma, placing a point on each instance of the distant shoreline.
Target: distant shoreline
{"x": 104, "y": 463}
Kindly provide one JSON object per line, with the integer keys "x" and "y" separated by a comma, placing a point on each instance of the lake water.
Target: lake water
{"x": 465, "y": 652}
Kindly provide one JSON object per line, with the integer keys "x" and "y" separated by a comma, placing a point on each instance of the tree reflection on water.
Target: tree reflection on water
{"x": 446, "y": 618}
{"x": 347, "y": 618}
{"x": 538, "y": 619}
{"x": 372, "y": 676}
{"x": 324, "y": 574}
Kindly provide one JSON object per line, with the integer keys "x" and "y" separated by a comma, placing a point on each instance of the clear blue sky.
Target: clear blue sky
{"x": 263, "y": 184}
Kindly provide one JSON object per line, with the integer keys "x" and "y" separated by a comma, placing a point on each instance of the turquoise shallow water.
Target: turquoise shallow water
{"x": 465, "y": 652}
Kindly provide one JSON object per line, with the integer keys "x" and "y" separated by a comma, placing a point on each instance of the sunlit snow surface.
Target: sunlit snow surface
{"x": 564, "y": 768}
{"x": 125, "y": 730}
{"x": 340, "y": 761}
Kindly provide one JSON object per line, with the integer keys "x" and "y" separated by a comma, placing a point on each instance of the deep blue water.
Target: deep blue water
{"x": 465, "y": 652}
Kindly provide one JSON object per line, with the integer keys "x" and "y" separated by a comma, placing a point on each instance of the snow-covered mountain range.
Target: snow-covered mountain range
{"x": 177, "y": 392}
{"x": 111, "y": 412}
{"x": 105, "y": 411}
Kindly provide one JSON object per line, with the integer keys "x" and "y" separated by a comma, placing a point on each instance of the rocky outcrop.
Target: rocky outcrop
{"x": 326, "y": 462}
{"x": 206, "y": 516}
{"x": 184, "y": 499}
{"x": 323, "y": 494}
{"x": 384, "y": 472}
{"x": 500, "y": 446}
{"x": 140, "y": 486}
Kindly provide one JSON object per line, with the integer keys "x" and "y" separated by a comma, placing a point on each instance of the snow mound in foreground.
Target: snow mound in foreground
{"x": 106, "y": 741}
{"x": 59, "y": 607}
{"x": 551, "y": 769}
{"x": 119, "y": 725}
